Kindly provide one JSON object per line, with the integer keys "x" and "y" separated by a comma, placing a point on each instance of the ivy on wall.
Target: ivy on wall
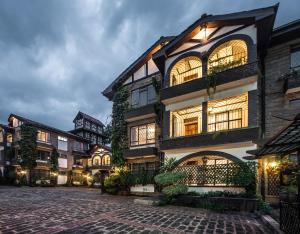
{"x": 158, "y": 105}
{"x": 54, "y": 160}
{"x": 119, "y": 138}
{"x": 28, "y": 150}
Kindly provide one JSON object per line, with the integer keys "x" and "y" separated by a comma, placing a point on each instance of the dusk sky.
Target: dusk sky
{"x": 57, "y": 56}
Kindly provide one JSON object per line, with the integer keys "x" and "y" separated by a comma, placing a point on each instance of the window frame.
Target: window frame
{"x": 294, "y": 49}
{"x": 45, "y": 134}
{"x": 62, "y": 140}
{"x": 149, "y": 141}
{"x": 140, "y": 90}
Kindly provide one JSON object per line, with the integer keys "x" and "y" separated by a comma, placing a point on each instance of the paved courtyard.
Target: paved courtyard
{"x": 83, "y": 210}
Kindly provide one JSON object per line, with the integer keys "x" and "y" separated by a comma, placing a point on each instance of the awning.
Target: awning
{"x": 286, "y": 141}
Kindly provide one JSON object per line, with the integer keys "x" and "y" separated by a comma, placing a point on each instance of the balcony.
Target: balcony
{"x": 225, "y": 79}
{"x": 292, "y": 82}
{"x": 140, "y": 152}
{"x": 100, "y": 167}
{"x": 211, "y": 138}
{"x": 139, "y": 113}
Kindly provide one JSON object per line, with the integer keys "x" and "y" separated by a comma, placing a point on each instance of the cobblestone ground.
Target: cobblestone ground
{"x": 83, "y": 210}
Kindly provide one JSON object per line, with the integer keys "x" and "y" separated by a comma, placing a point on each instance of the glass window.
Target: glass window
{"x": 62, "y": 143}
{"x": 106, "y": 160}
{"x": 1, "y": 136}
{"x": 99, "y": 129}
{"x": 228, "y": 113}
{"x": 87, "y": 124}
{"x": 43, "y": 155}
{"x": 43, "y": 136}
{"x": 79, "y": 123}
{"x": 143, "y": 96}
{"x": 143, "y": 134}
{"x": 9, "y": 138}
{"x": 295, "y": 59}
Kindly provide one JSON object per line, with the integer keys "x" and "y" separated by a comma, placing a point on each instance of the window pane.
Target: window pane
{"x": 135, "y": 97}
{"x": 151, "y": 94}
{"x": 151, "y": 133}
{"x": 134, "y": 136}
{"x": 295, "y": 59}
{"x": 143, "y": 97}
{"x": 142, "y": 135}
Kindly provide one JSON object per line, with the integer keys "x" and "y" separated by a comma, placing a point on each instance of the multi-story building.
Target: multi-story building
{"x": 281, "y": 101}
{"x": 71, "y": 148}
{"x": 98, "y": 158}
{"x": 213, "y": 97}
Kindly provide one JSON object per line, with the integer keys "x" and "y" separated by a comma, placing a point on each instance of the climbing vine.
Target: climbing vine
{"x": 119, "y": 138}
{"x": 54, "y": 160}
{"x": 28, "y": 150}
{"x": 158, "y": 105}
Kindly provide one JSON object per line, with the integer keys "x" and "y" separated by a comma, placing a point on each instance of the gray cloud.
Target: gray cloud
{"x": 57, "y": 56}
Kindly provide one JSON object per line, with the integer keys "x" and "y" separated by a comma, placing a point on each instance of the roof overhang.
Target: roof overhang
{"x": 284, "y": 142}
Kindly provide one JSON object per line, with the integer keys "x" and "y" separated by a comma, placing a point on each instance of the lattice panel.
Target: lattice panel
{"x": 273, "y": 183}
{"x": 209, "y": 175}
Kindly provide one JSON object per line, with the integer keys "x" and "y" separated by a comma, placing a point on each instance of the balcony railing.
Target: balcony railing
{"x": 186, "y": 76}
{"x": 226, "y": 62}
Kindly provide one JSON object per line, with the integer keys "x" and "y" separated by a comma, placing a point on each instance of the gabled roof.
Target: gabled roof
{"x": 135, "y": 65}
{"x": 46, "y": 127}
{"x": 88, "y": 117}
{"x": 244, "y": 17}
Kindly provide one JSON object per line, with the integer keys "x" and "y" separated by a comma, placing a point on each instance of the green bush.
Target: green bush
{"x": 126, "y": 180}
{"x": 112, "y": 184}
{"x": 169, "y": 178}
{"x": 172, "y": 184}
{"x": 175, "y": 190}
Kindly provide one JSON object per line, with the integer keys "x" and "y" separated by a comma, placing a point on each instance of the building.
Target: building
{"x": 70, "y": 146}
{"x": 98, "y": 158}
{"x": 215, "y": 100}
{"x": 282, "y": 104}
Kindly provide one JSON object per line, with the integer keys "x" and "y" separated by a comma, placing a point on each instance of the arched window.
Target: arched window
{"x": 230, "y": 54}
{"x": 106, "y": 160}
{"x": 97, "y": 161}
{"x": 186, "y": 69}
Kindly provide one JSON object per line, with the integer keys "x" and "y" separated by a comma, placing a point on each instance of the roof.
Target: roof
{"x": 6, "y": 127}
{"x": 135, "y": 65}
{"x": 46, "y": 127}
{"x": 245, "y": 17}
{"x": 88, "y": 117}
{"x": 286, "y": 32}
{"x": 284, "y": 142}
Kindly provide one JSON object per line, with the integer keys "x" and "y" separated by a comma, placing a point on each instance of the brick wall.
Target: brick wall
{"x": 277, "y": 63}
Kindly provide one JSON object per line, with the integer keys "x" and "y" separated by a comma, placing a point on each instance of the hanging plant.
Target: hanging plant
{"x": 119, "y": 138}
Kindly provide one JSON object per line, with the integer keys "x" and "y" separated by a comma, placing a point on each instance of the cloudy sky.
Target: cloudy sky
{"x": 57, "y": 56}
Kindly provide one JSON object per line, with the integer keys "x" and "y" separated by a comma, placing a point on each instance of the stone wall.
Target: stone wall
{"x": 277, "y": 104}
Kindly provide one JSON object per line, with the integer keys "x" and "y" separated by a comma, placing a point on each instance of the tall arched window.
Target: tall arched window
{"x": 106, "y": 160}
{"x": 97, "y": 161}
{"x": 186, "y": 69}
{"x": 230, "y": 54}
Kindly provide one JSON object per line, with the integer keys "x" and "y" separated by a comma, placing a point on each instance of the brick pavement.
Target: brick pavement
{"x": 83, "y": 210}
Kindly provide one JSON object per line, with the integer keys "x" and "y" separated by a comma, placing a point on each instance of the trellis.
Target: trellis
{"x": 212, "y": 175}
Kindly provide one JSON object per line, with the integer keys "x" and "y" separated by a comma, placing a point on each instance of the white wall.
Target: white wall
{"x": 62, "y": 163}
{"x": 214, "y": 189}
{"x": 140, "y": 73}
{"x": 149, "y": 188}
{"x": 238, "y": 150}
{"x": 62, "y": 179}
{"x": 152, "y": 68}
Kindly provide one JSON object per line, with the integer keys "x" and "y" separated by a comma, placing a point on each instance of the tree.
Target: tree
{"x": 119, "y": 139}
{"x": 107, "y": 134}
{"x": 28, "y": 150}
{"x": 54, "y": 160}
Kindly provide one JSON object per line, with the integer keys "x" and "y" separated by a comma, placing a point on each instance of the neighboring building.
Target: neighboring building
{"x": 70, "y": 147}
{"x": 98, "y": 158}
{"x": 282, "y": 101}
{"x": 215, "y": 77}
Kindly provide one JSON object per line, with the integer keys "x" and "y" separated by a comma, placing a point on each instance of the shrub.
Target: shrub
{"x": 112, "y": 184}
{"x": 126, "y": 180}
{"x": 172, "y": 184}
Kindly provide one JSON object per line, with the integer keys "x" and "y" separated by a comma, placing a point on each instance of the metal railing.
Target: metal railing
{"x": 290, "y": 217}
{"x": 186, "y": 76}
{"x": 226, "y": 62}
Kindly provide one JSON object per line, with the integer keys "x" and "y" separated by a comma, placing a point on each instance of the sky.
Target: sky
{"x": 57, "y": 56}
